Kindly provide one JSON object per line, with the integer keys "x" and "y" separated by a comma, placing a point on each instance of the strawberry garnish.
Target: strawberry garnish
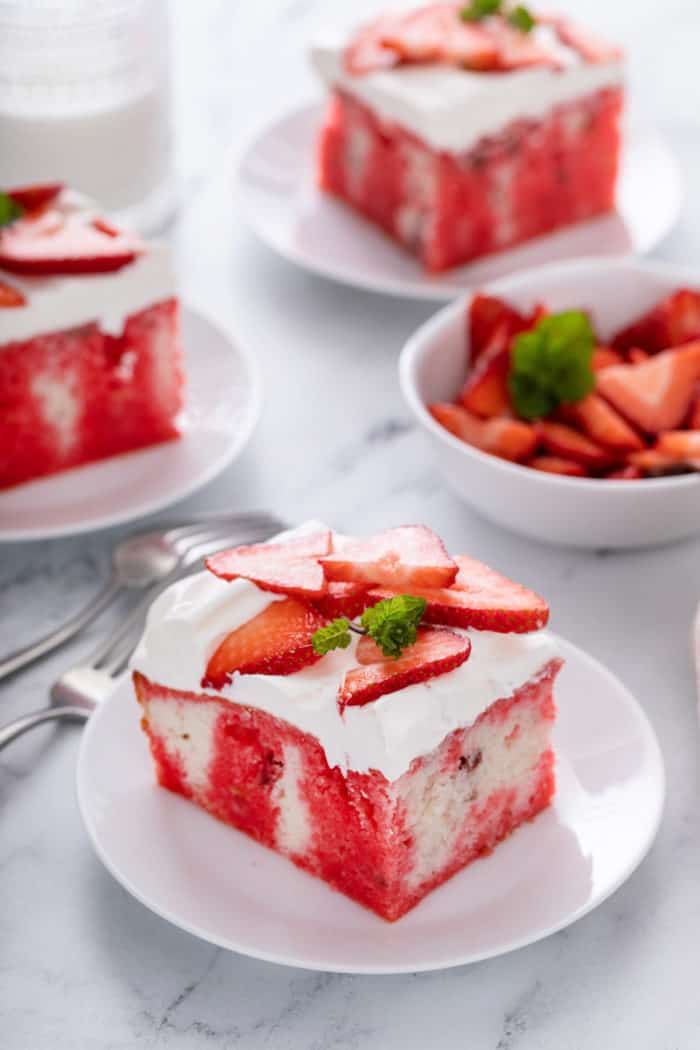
{"x": 508, "y": 438}
{"x": 652, "y": 463}
{"x": 276, "y": 641}
{"x": 655, "y": 394}
{"x": 683, "y": 446}
{"x": 485, "y": 392}
{"x": 406, "y": 557}
{"x": 628, "y": 473}
{"x": 591, "y": 48}
{"x": 480, "y": 598}
{"x": 283, "y": 568}
{"x": 568, "y": 468}
{"x": 603, "y": 424}
{"x": 561, "y": 440}
{"x": 672, "y": 322}
{"x": 693, "y": 421}
{"x": 31, "y": 198}
{"x": 435, "y": 652}
{"x": 491, "y": 320}
{"x": 52, "y": 242}
{"x": 342, "y": 599}
{"x": 10, "y": 297}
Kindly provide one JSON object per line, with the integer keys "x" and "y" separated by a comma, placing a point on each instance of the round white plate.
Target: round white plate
{"x": 218, "y": 884}
{"x": 222, "y": 403}
{"x": 277, "y": 196}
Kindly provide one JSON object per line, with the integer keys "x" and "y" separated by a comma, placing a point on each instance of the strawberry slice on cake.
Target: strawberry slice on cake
{"x": 382, "y": 734}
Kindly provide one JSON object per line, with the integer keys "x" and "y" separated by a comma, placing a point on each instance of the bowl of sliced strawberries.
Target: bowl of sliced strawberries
{"x": 564, "y": 403}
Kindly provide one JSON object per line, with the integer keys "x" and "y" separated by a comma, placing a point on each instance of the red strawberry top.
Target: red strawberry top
{"x": 481, "y": 35}
{"x": 46, "y": 231}
{"x": 327, "y": 580}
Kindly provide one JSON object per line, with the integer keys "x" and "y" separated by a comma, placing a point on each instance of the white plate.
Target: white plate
{"x": 218, "y": 884}
{"x": 277, "y": 196}
{"x": 222, "y": 403}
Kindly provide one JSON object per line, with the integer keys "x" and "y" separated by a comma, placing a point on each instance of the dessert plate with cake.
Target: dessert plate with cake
{"x": 459, "y": 142}
{"x": 115, "y": 401}
{"x": 366, "y": 755}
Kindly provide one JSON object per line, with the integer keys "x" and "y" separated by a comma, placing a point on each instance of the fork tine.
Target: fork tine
{"x": 245, "y": 519}
{"x": 113, "y": 653}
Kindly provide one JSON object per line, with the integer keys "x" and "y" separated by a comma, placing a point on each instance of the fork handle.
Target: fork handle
{"x": 21, "y": 725}
{"x": 22, "y": 657}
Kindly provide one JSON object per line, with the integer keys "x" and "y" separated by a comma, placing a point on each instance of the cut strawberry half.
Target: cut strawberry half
{"x": 10, "y": 297}
{"x": 367, "y": 52}
{"x": 604, "y": 356}
{"x": 672, "y": 322}
{"x": 628, "y": 473}
{"x": 31, "y": 198}
{"x": 407, "y": 557}
{"x": 284, "y": 568}
{"x": 436, "y": 651}
{"x": 276, "y": 641}
{"x": 603, "y": 424}
{"x": 482, "y": 599}
{"x": 490, "y": 319}
{"x": 343, "y": 599}
{"x": 485, "y": 392}
{"x": 693, "y": 421}
{"x": 655, "y": 464}
{"x": 561, "y": 440}
{"x": 436, "y": 34}
{"x": 508, "y": 438}
{"x": 568, "y": 468}
{"x": 50, "y": 242}
{"x": 680, "y": 445}
{"x": 591, "y": 48}
{"x": 656, "y": 394}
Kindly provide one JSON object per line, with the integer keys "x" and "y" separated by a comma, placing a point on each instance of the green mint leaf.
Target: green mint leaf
{"x": 478, "y": 9}
{"x": 335, "y": 635}
{"x": 393, "y": 622}
{"x": 9, "y": 210}
{"x": 520, "y": 18}
{"x": 551, "y": 364}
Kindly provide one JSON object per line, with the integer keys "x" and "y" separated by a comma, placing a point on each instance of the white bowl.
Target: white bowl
{"x": 576, "y": 512}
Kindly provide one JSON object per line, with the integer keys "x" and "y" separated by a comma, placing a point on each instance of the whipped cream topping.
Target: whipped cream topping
{"x": 64, "y": 301}
{"x": 452, "y": 109}
{"x": 188, "y": 621}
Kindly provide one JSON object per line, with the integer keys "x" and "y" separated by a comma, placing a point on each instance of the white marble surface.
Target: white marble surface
{"x": 82, "y": 965}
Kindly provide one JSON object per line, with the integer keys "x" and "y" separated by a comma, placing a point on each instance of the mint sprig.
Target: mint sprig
{"x": 552, "y": 364}
{"x": 392, "y": 623}
{"x": 519, "y": 16}
{"x": 9, "y": 209}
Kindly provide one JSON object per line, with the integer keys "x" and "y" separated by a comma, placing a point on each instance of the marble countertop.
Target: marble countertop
{"x": 84, "y": 965}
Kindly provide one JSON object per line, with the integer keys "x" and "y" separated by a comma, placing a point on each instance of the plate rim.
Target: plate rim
{"x": 253, "y": 410}
{"x": 651, "y": 747}
{"x": 418, "y": 289}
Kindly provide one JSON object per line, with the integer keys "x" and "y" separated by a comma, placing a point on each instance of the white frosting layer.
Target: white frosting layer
{"x": 451, "y": 109}
{"x": 57, "y": 303}
{"x": 187, "y": 622}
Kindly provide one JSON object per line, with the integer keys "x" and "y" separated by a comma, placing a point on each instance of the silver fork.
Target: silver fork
{"x": 76, "y": 694}
{"x": 140, "y": 561}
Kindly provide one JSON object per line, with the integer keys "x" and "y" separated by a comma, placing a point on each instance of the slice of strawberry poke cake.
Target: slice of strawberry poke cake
{"x": 90, "y": 360}
{"x": 465, "y": 128}
{"x": 375, "y": 710}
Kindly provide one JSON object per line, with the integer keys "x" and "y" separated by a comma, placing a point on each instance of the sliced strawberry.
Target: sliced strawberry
{"x": 436, "y": 34}
{"x": 480, "y": 598}
{"x": 628, "y": 473}
{"x": 508, "y": 438}
{"x": 653, "y": 463}
{"x": 672, "y": 322}
{"x": 10, "y": 297}
{"x": 435, "y": 652}
{"x": 51, "y": 242}
{"x": 284, "y": 568}
{"x": 367, "y": 52}
{"x": 604, "y": 356}
{"x": 276, "y": 641}
{"x": 517, "y": 50}
{"x": 561, "y": 440}
{"x": 656, "y": 394}
{"x": 680, "y": 445}
{"x": 603, "y": 424}
{"x": 588, "y": 46}
{"x": 636, "y": 355}
{"x": 693, "y": 421}
{"x": 32, "y": 198}
{"x": 407, "y": 557}
{"x": 485, "y": 391}
{"x": 343, "y": 599}
{"x": 490, "y": 319}
{"x": 558, "y": 465}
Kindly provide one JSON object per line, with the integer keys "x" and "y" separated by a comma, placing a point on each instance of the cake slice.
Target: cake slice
{"x": 460, "y": 133}
{"x": 381, "y": 762}
{"x": 90, "y": 358}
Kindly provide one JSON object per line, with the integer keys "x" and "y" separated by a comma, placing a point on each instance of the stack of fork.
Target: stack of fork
{"x": 148, "y": 562}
